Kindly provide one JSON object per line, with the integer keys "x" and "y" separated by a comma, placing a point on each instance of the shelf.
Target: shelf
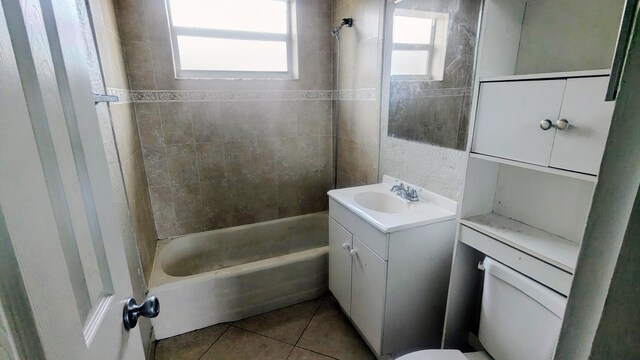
{"x": 547, "y": 76}
{"x": 547, "y": 247}
{"x": 550, "y": 170}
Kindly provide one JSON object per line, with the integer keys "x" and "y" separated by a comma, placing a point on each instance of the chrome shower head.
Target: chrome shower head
{"x": 348, "y": 22}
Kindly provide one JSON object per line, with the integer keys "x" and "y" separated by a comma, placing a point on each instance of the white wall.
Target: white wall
{"x": 431, "y": 167}
{"x": 568, "y": 35}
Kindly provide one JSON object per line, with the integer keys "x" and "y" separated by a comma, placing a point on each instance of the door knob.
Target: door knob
{"x": 346, "y": 246}
{"x": 353, "y": 252}
{"x": 150, "y": 308}
{"x": 546, "y": 124}
{"x": 562, "y": 124}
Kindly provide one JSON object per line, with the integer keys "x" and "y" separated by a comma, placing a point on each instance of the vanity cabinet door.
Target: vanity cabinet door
{"x": 368, "y": 293}
{"x": 509, "y": 115}
{"x": 580, "y": 146}
{"x": 340, "y": 243}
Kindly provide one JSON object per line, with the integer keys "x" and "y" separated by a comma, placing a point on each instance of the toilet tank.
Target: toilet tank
{"x": 520, "y": 318}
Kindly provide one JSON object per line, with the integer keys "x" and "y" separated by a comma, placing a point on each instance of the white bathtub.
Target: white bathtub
{"x": 229, "y": 274}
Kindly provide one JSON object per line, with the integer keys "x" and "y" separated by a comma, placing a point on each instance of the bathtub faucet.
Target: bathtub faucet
{"x": 405, "y": 192}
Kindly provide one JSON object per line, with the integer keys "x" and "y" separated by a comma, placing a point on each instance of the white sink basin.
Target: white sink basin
{"x": 381, "y": 202}
{"x": 388, "y": 212}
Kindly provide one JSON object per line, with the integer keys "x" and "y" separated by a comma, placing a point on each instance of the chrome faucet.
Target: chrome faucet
{"x": 405, "y": 192}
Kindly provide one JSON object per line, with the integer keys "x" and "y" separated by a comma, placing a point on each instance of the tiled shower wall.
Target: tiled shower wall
{"x": 360, "y": 56}
{"x": 125, "y": 132}
{"x": 221, "y": 153}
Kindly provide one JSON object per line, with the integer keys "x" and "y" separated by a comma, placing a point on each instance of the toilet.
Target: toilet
{"x": 520, "y": 319}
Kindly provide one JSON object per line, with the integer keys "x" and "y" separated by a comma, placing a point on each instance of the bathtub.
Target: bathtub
{"x": 225, "y": 275}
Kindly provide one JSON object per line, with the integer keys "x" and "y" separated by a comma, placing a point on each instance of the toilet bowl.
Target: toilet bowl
{"x": 519, "y": 319}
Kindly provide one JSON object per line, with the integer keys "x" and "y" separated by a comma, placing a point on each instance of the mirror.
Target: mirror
{"x": 429, "y": 56}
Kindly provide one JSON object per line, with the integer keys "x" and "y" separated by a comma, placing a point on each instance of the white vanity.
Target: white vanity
{"x": 389, "y": 264}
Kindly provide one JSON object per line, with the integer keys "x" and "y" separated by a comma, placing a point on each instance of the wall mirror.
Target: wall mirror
{"x": 429, "y": 51}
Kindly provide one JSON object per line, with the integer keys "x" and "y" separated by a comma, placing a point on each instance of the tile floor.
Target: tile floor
{"x": 314, "y": 330}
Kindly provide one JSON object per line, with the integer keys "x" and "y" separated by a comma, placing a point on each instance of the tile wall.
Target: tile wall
{"x": 125, "y": 131}
{"x": 360, "y": 56}
{"x": 221, "y": 153}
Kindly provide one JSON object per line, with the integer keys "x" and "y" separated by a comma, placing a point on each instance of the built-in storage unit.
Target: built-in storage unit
{"x": 391, "y": 285}
{"x": 560, "y": 122}
{"x": 538, "y": 133}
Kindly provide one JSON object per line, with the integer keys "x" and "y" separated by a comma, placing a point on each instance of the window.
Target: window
{"x": 419, "y": 44}
{"x": 231, "y": 38}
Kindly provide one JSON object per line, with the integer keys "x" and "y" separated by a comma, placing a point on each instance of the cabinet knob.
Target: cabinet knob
{"x": 562, "y": 124}
{"x": 346, "y": 246}
{"x": 353, "y": 252}
{"x": 546, "y": 124}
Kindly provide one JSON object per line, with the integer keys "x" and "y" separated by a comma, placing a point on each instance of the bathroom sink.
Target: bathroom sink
{"x": 388, "y": 212}
{"x": 381, "y": 202}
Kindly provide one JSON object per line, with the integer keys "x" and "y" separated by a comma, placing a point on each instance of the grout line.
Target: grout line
{"x": 264, "y": 336}
{"x": 315, "y": 352}
{"x": 215, "y": 341}
{"x": 310, "y": 319}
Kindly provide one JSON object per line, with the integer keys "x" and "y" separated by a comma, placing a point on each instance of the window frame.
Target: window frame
{"x": 288, "y": 38}
{"x": 430, "y": 47}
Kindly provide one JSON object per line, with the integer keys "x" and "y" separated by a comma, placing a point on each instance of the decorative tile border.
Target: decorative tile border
{"x": 429, "y": 93}
{"x": 267, "y": 95}
{"x": 368, "y": 94}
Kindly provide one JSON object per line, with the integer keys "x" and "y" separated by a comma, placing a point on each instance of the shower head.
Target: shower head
{"x": 348, "y": 22}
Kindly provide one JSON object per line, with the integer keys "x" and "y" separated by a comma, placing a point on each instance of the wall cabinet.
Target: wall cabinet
{"x": 392, "y": 286}
{"x": 509, "y": 116}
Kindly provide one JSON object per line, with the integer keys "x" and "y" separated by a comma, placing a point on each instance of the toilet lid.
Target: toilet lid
{"x": 434, "y": 355}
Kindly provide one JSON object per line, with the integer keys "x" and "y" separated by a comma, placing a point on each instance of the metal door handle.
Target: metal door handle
{"x": 150, "y": 308}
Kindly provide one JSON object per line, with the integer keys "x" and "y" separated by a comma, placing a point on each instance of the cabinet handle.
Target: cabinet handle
{"x": 562, "y": 124}
{"x": 346, "y": 246}
{"x": 353, "y": 252}
{"x": 546, "y": 124}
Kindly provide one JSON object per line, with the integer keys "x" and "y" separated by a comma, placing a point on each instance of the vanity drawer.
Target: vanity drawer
{"x": 365, "y": 232}
{"x": 549, "y": 275}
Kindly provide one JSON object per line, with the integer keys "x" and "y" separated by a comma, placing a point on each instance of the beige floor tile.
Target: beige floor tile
{"x": 189, "y": 346}
{"x": 286, "y": 324}
{"x": 331, "y": 334}
{"x": 238, "y": 344}
{"x": 302, "y": 354}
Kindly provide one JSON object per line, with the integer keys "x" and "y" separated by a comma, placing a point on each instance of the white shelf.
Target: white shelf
{"x": 550, "y": 170}
{"x": 547, "y": 76}
{"x": 540, "y": 244}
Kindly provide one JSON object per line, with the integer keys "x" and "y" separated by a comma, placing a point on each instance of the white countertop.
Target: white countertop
{"x": 431, "y": 208}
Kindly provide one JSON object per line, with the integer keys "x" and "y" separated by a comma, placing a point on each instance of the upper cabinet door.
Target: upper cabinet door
{"x": 580, "y": 146}
{"x": 509, "y": 116}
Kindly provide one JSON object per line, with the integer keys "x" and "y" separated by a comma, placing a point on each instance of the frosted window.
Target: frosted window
{"x": 266, "y": 16}
{"x": 409, "y": 62}
{"x": 231, "y": 38}
{"x": 197, "y": 53}
{"x": 412, "y": 30}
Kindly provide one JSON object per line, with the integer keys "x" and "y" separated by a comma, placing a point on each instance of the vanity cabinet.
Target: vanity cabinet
{"x": 392, "y": 286}
{"x": 509, "y": 116}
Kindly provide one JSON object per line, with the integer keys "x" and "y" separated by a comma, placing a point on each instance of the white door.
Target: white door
{"x": 509, "y": 116}
{"x": 56, "y": 200}
{"x": 369, "y": 284}
{"x": 340, "y": 264}
{"x": 580, "y": 146}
